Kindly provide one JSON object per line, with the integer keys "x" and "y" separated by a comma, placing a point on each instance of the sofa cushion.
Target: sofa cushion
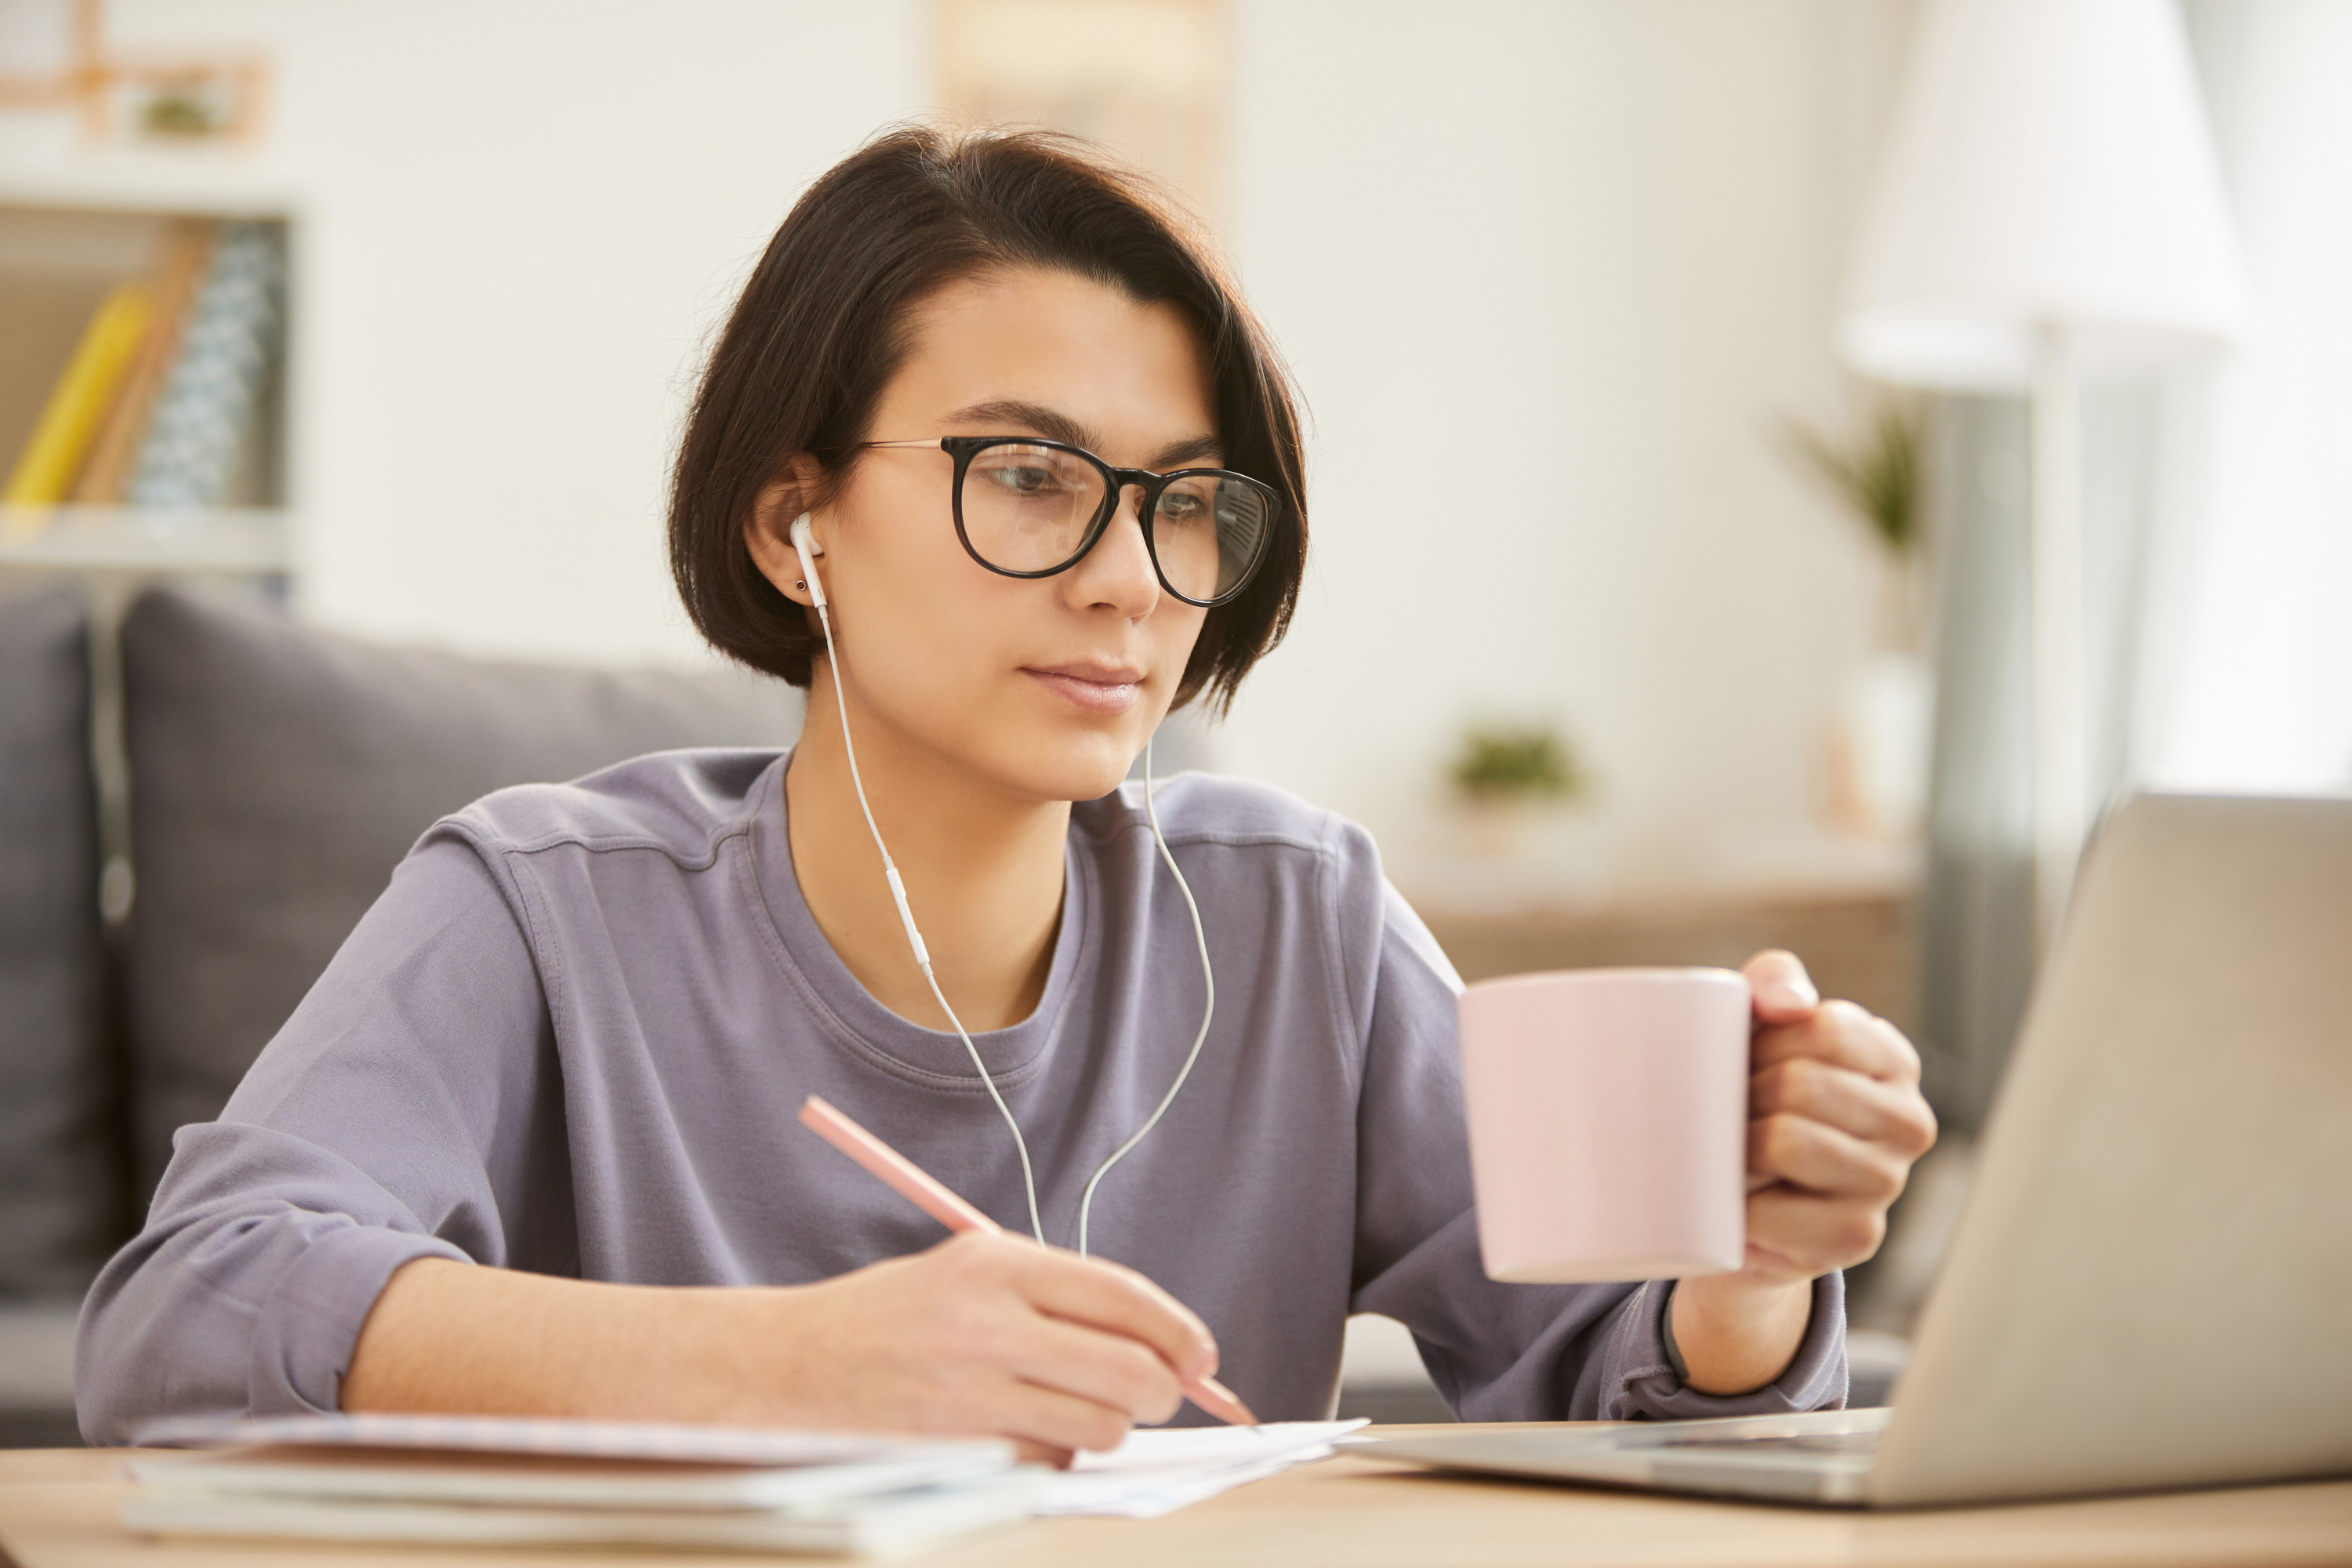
{"x": 280, "y": 772}
{"x": 60, "y": 1202}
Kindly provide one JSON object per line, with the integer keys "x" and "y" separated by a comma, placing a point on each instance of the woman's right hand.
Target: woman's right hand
{"x": 981, "y": 1335}
{"x": 988, "y": 1334}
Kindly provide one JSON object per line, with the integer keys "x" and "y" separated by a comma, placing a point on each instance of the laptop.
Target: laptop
{"x": 2152, "y": 1284}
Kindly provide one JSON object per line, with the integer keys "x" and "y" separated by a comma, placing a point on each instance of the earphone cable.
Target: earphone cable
{"x": 1208, "y": 1009}
{"x": 802, "y": 541}
{"x": 923, "y": 958}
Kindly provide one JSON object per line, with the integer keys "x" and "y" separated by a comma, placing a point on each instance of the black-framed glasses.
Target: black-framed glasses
{"x": 1028, "y": 507}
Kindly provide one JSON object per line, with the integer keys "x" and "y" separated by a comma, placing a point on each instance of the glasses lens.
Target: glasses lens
{"x": 1026, "y": 509}
{"x": 1209, "y": 531}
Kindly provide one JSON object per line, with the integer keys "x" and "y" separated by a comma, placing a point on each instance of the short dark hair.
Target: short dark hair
{"x": 821, "y": 327}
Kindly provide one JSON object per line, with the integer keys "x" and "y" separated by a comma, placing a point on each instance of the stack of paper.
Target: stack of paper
{"x": 484, "y": 1480}
{"x": 1159, "y": 1472}
{"x": 491, "y": 1481}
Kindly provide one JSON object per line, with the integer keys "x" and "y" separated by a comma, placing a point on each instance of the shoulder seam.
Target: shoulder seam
{"x": 1235, "y": 840}
{"x": 525, "y": 903}
{"x": 540, "y": 937}
{"x": 1336, "y": 965}
{"x": 595, "y": 844}
{"x": 1239, "y": 838}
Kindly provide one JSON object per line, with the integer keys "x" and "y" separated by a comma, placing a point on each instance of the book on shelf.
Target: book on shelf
{"x": 203, "y": 415}
{"x": 79, "y": 402}
{"x": 187, "y": 251}
{"x": 158, "y": 404}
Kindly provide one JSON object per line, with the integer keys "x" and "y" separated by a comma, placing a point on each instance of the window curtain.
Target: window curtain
{"x": 2218, "y": 551}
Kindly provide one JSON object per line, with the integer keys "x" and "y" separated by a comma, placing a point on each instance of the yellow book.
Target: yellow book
{"x": 77, "y": 404}
{"x": 179, "y": 272}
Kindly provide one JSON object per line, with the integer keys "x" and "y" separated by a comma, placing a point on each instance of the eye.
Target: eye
{"x": 1183, "y": 505}
{"x": 1021, "y": 478}
{"x": 1028, "y": 473}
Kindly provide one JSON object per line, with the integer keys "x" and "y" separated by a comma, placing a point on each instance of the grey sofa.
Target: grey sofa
{"x": 276, "y": 773}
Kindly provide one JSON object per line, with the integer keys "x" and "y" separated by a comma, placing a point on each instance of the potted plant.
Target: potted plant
{"x": 1878, "y": 744}
{"x": 1509, "y": 779}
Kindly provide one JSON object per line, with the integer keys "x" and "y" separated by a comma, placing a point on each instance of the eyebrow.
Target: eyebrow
{"x": 1037, "y": 418}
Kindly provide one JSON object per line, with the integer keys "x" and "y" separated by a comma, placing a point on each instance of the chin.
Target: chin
{"x": 1086, "y": 765}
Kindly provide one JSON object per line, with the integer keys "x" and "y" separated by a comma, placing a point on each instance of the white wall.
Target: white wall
{"x": 527, "y": 217}
{"x": 1548, "y": 273}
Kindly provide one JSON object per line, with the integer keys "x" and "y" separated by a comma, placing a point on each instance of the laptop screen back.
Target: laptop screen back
{"x": 2153, "y": 1282}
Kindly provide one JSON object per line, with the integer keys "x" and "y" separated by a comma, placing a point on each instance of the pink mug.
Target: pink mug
{"x": 1608, "y": 1123}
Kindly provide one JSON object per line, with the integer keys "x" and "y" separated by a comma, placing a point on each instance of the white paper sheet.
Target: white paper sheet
{"x": 575, "y": 1439}
{"x": 1152, "y": 1473}
{"x": 1158, "y": 1472}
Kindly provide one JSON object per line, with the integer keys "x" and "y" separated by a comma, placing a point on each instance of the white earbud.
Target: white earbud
{"x": 804, "y": 542}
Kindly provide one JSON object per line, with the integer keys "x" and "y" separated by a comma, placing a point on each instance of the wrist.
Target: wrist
{"x": 739, "y": 1350}
{"x": 1735, "y": 1332}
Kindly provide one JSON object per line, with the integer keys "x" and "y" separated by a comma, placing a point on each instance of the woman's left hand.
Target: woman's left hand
{"x": 1835, "y": 1119}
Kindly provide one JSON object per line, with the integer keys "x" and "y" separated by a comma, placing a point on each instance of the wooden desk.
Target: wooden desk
{"x": 57, "y": 1510}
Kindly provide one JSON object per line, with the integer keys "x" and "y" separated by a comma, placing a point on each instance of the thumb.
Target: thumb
{"x": 1784, "y": 992}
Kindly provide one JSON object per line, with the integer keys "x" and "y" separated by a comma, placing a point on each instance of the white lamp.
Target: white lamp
{"x": 2050, "y": 207}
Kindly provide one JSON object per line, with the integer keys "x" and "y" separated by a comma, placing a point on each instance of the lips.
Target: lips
{"x": 1090, "y": 687}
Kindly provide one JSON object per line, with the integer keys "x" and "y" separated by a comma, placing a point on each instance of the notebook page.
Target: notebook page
{"x": 529, "y": 1434}
{"x": 1158, "y": 1472}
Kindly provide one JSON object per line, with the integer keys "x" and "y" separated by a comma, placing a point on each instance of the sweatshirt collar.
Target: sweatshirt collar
{"x": 931, "y": 1057}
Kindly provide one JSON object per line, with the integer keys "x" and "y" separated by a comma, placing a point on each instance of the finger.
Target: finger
{"x": 1842, "y": 1034}
{"x": 1105, "y": 1296}
{"x": 1047, "y": 1416}
{"x": 1104, "y": 1368}
{"x": 1784, "y": 992}
{"x": 1029, "y": 1453}
{"x": 1806, "y": 1234}
{"x": 1822, "y": 1159}
{"x": 1217, "y": 1400}
{"x": 1892, "y": 1115}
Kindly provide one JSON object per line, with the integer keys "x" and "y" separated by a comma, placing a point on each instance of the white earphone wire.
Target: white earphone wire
{"x": 915, "y": 937}
{"x": 1208, "y": 1010}
{"x": 923, "y": 957}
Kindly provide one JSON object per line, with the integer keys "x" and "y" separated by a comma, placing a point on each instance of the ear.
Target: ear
{"x": 767, "y": 532}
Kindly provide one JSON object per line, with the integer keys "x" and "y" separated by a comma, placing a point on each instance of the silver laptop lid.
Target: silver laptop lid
{"x": 2153, "y": 1282}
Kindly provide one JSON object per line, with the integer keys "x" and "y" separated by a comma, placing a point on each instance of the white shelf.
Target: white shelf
{"x": 235, "y": 540}
{"x": 193, "y": 185}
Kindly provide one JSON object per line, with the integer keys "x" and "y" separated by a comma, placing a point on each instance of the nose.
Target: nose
{"x": 1116, "y": 573}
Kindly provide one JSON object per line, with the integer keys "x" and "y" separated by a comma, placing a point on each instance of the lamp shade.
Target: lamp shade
{"x": 2049, "y": 166}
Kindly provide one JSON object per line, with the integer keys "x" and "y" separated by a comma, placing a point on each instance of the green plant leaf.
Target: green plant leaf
{"x": 1878, "y": 475}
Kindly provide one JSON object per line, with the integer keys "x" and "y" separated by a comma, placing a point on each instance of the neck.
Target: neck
{"x": 983, "y": 871}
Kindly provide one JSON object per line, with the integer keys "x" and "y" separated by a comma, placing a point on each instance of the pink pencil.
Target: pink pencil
{"x": 919, "y": 1187}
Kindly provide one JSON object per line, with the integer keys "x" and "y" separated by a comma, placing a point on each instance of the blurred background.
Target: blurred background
{"x": 1779, "y": 467}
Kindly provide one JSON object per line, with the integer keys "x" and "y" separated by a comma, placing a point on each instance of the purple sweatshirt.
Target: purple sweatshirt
{"x": 572, "y": 1036}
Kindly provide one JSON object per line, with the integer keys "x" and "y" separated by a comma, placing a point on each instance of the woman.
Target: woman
{"x": 528, "y": 1146}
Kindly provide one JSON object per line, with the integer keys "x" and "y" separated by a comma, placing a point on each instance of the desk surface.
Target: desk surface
{"x": 57, "y": 1510}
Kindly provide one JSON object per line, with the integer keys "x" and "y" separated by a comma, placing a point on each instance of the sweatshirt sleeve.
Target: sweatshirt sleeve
{"x": 398, "y": 1114}
{"x": 1498, "y": 1351}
